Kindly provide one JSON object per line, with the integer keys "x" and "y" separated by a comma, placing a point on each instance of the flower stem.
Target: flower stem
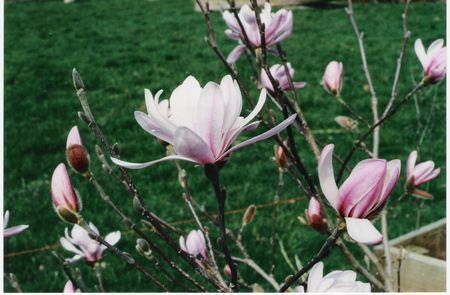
{"x": 212, "y": 173}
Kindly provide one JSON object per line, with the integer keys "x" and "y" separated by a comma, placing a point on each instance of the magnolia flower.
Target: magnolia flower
{"x": 12, "y": 231}
{"x": 75, "y": 151}
{"x": 69, "y": 287}
{"x": 419, "y": 174}
{"x": 201, "y": 123}
{"x": 335, "y": 282}
{"x": 332, "y": 78}
{"x": 65, "y": 201}
{"x": 194, "y": 244}
{"x": 314, "y": 215}
{"x": 362, "y": 195}
{"x": 278, "y": 73}
{"x": 433, "y": 61}
{"x": 278, "y": 27}
{"x": 83, "y": 246}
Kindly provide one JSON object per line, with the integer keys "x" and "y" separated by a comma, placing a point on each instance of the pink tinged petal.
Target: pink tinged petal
{"x": 315, "y": 277}
{"x": 235, "y": 54}
{"x": 94, "y": 228}
{"x": 15, "y": 230}
{"x": 410, "y": 164}
{"x": 70, "y": 247}
{"x": 391, "y": 179}
{"x": 326, "y": 176}
{"x": 157, "y": 118}
{"x": 131, "y": 165}
{"x": 284, "y": 30}
{"x": 434, "y": 48}
{"x": 231, "y": 21}
{"x": 232, "y": 35}
{"x": 257, "y": 109}
{"x": 420, "y": 52}
{"x": 183, "y": 103}
{"x": 430, "y": 176}
{"x": 210, "y": 117}
{"x": 422, "y": 170}
{"x": 275, "y": 130}
{"x": 265, "y": 81}
{"x": 251, "y": 126}
{"x": 113, "y": 238}
{"x": 363, "y": 231}
{"x": 151, "y": 127}
{"x": 74, "y": 137}
{"x": 182, "y": 243}
{"x": 299, "y": 289}
{"x": 69, "y": 287}
{"x": 342, "y": 276}
{"x": 232, "y": 100}
{"x": 299, "y": 85}
{"x": 188, "y": 144}
{"x": 325, "y": 285}
{"x": 362, "y": 188}
{"x": 63, "y": 194}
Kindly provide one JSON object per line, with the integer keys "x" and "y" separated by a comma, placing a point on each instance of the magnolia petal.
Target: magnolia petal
{"x": 275, "y": 130}
{"x": 235, "y": 54}
{"x": 15, "y": 230}
{"x": 6, "y": 219}
{"x": 210, "y": 117}
{"x": 250, "y": 127}
{"x": 70, "y": 247}
{"x": 131, "y": 165}
{"x": 420, "y": 52}
{"x": 151, "y": 127}
{"x": 326, "y": 175}
{"x": 233, "y": 102}
{"x": 299, "y": 85}
{"x": 315, "y": 277}
{"x": 153, "y": 112}
{"x": 363, "y": 231}
{"x": 113, "y": 238}
{"x": 182, "y": 242}
{"x": 410, "y": 164}
{"x": 188, "y": 144}
{"x": 69, "y": 287}
{"x": 183, "y": 103}
{"x": 434, "y": 48}
{"x": 430, "y": 176}
{"x": 73, "y": 137}
{"x": 257, "y": 109}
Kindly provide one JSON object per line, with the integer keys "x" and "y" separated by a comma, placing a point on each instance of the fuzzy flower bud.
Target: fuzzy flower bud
{"x": 314, "y": 215}
{"x": 248, "y": 215}
{"x": 346, "y": 122}
{"x": 75, "y": 152}
{"x": 280, "y": 156}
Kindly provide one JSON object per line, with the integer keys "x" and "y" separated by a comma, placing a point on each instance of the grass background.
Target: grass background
{"x": 121, "y": 47}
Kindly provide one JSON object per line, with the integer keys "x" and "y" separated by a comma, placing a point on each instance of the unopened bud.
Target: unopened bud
{"x": 143, "y": 247}
{"x": 67, "y": 215}
{"x": 314, "y": 215}
{"x": 116, "y": 149}
{"x": 83, "y": 117}
{"x": 75, "y": 152}
{"x": 346, "y": 122}
{"x": 422, "y": 194}
{"x": 137, "y": 205}
{"x": 248, "y": 215}
{"x": 227, "y": 271}
{"x": 77, "y": 82}
{"x": 280, "y": 156}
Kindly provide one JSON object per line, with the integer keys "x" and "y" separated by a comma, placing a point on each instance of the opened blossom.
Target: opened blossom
{"x": 11, "y": 231}
{"x": 335, "y": 282}
{"x": 332, "y": 78}
{"x": 278, "y": 72}
{"x": 201, "y": 123}
{"x": 419, "y": 174}
{"x": 278, "y": 27}
{"x": 194, "y": 244}
{"x": 362, "y": 195}
{"x": 434, "y": 60}
{"x": 79, "y": 243}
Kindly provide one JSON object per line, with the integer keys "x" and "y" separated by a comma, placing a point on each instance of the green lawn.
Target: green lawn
{"x": 121, "y": 47}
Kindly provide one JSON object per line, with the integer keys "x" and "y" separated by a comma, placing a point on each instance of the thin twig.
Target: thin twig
{"x": 276, "y": 199}
{"x": 12, "y": 280}
{"x": 98, "y": 275}
{"x": 68, "y": 271}
{"x": 353, "y": 112}
{"x": 387, "y": 251}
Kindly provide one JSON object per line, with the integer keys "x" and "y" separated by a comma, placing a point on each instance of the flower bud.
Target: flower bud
{"x": 346, "y": 122}
{"x": 76, "y": 153}
{"x": 248, "y": 215}
{"x": 332, "y": 78}
{"x": 314, "y": 215}
{"x": 280, "y": 156}
{"x": 65, "y": 200}
{"x": 143, "y": 247}
{"x": 227, "y": 270}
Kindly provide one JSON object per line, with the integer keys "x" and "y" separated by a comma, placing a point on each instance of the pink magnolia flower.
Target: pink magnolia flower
{"x": 83, "y": 246}
{"x": 12, "y": 231}
{"x": 332, "y": 78}
{"x": 314, "y": 215}
{"x": 434, "y": 60}
{"x": 194, "y": 244}
{"x": 419, "y": 174}
{"x": 335, "y": 282}
{"x": 278, "y": 73}
{"x": 362, "y": 195}
{"x": 201, "y": 123}
{"x": 75, "y": 151}
{"x": 69, "y": 287}
{"x": 63, "y": 194}
{"x": 278, "y": 27}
